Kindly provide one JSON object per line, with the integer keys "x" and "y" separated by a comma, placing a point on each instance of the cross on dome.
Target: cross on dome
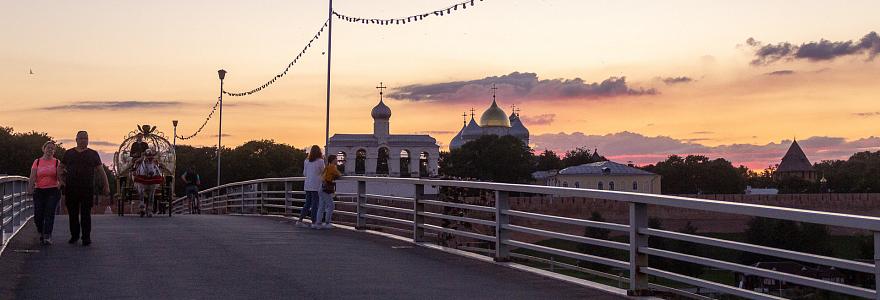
{"x": 381, "y": 89}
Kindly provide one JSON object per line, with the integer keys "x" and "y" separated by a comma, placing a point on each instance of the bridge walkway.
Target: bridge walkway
{"x": 224, "y": 257}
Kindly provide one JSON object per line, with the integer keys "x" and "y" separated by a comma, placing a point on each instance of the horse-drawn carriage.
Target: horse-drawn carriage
{"x": 145, "y": 171}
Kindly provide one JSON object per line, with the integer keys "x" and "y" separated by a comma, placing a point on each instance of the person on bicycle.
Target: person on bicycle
{"x": 191, "y": 183}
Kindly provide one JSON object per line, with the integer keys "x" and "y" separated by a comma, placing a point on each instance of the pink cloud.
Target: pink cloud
{"x": 628, "y": 146}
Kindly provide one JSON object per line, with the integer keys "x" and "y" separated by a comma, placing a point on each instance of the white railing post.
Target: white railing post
{"x": 502, "y": 205}
{"x": 16, "y": 205}
{"x": 876, "y": 264}
{"x": 418, "y": 218}
{"x": 288, "y": 186}
{"x": 241, "y": 201}
{"x": 263, "y": 187}
{"x": 638, "y": 219}
{"x": 361, "y": 222}
{"x": 2, "y": 213}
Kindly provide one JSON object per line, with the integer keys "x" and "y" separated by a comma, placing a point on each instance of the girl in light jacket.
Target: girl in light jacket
{"x": 313, "y": 167}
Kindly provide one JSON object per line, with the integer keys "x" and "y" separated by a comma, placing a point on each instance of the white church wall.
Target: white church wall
{"x": 390, "y": 189}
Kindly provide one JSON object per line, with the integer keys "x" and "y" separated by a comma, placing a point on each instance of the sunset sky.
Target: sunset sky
{"x": 639, "y": 80}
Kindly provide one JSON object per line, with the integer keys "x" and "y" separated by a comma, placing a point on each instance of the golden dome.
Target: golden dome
{"x": 494, "y": 117}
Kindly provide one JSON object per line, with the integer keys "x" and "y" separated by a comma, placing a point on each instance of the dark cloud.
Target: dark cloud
{"x": 676, "y": 80}
{"x": 544, "y": 119}
{"x": 696, "y": 140}
{"x": 224, "y": 135}
{"x": 703, "y": 132}
{"x": 436, "y": 132}
{"x": 629, "y": 146}
{"x": 91, "y": 143}
{"x": 815, "y": 51}
{"x": 868, "y": 114}
{"x": 518, "y": 86}
{"x": 780, "y": 73}
{"x": 113, "y": 105}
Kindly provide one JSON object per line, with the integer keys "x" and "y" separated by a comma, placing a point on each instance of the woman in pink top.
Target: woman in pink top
{"x": 43, "y": 184}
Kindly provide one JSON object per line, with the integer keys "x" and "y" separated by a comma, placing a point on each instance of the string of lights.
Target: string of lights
{"x": 413, "y": 18}
{"x": 290, "y": 65}
{"x": 203, "y": 124}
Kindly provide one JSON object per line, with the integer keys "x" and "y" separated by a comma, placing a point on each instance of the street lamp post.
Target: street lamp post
{"x": 222, "y": 74}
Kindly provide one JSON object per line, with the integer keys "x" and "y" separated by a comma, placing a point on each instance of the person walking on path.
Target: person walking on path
{"x": 80, "y": 165}
{"x": 312, "y": 169}
{"x": 43, "y": 184}
{"x": 191, "y": 183}
{"x": 325, "y": 196}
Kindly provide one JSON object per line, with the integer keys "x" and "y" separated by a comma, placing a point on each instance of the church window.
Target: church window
{"x": 635, "y": 185}
{"x": 360, "y": 162}
{"x": 382, "y": 162}
{"x": 404, "y": 163}
{"x": 577, "y": 184}
{"x": 565, "y": 183}
{"x": 423, "y": 164}
{"x": 601, "y": 185}
{"x": 611, "y": 185}
{"x": 340, "y": 161}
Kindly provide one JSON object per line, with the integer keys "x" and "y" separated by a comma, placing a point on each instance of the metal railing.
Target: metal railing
{"x": 16, "y": 206}
{"x": 419, "y": 215}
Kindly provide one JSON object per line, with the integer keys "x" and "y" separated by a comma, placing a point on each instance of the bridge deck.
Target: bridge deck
{"x": 201, "y": 257}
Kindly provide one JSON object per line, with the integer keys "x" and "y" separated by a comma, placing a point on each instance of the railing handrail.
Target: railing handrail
{"x": 757, "y": 210}
{"x": 16, "y": 206}
{"x": 637, "y": 227}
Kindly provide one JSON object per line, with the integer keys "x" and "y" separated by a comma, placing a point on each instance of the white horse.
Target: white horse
{"x": 148, "y": 178}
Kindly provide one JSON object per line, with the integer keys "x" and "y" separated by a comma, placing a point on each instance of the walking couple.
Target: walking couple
{"x": 320, "y": 186}
{"x": 75, "y": 176}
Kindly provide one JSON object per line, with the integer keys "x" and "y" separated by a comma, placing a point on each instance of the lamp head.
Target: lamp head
{"x": 222, "y": 73}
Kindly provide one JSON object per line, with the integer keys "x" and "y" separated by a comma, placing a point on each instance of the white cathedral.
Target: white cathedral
{"x": 384, "y": 154}
{"x": 494, "y": 121}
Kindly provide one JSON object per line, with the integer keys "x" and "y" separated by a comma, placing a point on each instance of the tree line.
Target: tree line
{"x": 251, "y": 160}
{"x": 489, "y": 158}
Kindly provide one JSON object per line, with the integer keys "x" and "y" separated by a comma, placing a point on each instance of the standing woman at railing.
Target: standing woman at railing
{"x": 43, "y": 184}
{"x": 325, "y": 196}
{"x": 313, "y": 167}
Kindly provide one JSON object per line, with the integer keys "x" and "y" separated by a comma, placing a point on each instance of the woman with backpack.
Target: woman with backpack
{"x": 44, "y": 184}
{"x": 325, "y": 196}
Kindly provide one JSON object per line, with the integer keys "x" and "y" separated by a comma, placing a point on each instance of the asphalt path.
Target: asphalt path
{"x": 237, "y": 257}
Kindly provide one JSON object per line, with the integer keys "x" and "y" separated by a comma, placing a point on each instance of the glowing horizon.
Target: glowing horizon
{"x": 89, "y": 59}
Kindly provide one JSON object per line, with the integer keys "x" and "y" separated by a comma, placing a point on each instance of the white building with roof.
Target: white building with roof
{"x": 384, "y": 154}
{"x": 605, "y": 175}
{"x": 494, "y": 121}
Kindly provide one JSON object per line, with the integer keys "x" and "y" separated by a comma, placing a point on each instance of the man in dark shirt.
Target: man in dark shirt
{"x": 191, "y": 183}
{"x": 80, "y": 165}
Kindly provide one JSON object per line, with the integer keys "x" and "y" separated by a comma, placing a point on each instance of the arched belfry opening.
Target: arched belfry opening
{"x": 404, "y": 163}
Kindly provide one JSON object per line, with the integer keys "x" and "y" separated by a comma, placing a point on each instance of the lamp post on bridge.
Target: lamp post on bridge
{"x": 222, "y": 74}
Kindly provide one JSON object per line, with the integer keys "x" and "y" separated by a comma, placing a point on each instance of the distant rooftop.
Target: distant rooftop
{"x": 603, "y": 168}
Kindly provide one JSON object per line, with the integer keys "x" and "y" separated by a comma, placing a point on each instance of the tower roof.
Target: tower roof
{"x": 517, "y": 128}
{"x": 381, "y": 111}
{"x": 472, "y": 130}
{"x": 457, "y": 141}
{"x": 494, "y": 116}
{"x": 794, "y": 160}
{"x": 596, "y": 156}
